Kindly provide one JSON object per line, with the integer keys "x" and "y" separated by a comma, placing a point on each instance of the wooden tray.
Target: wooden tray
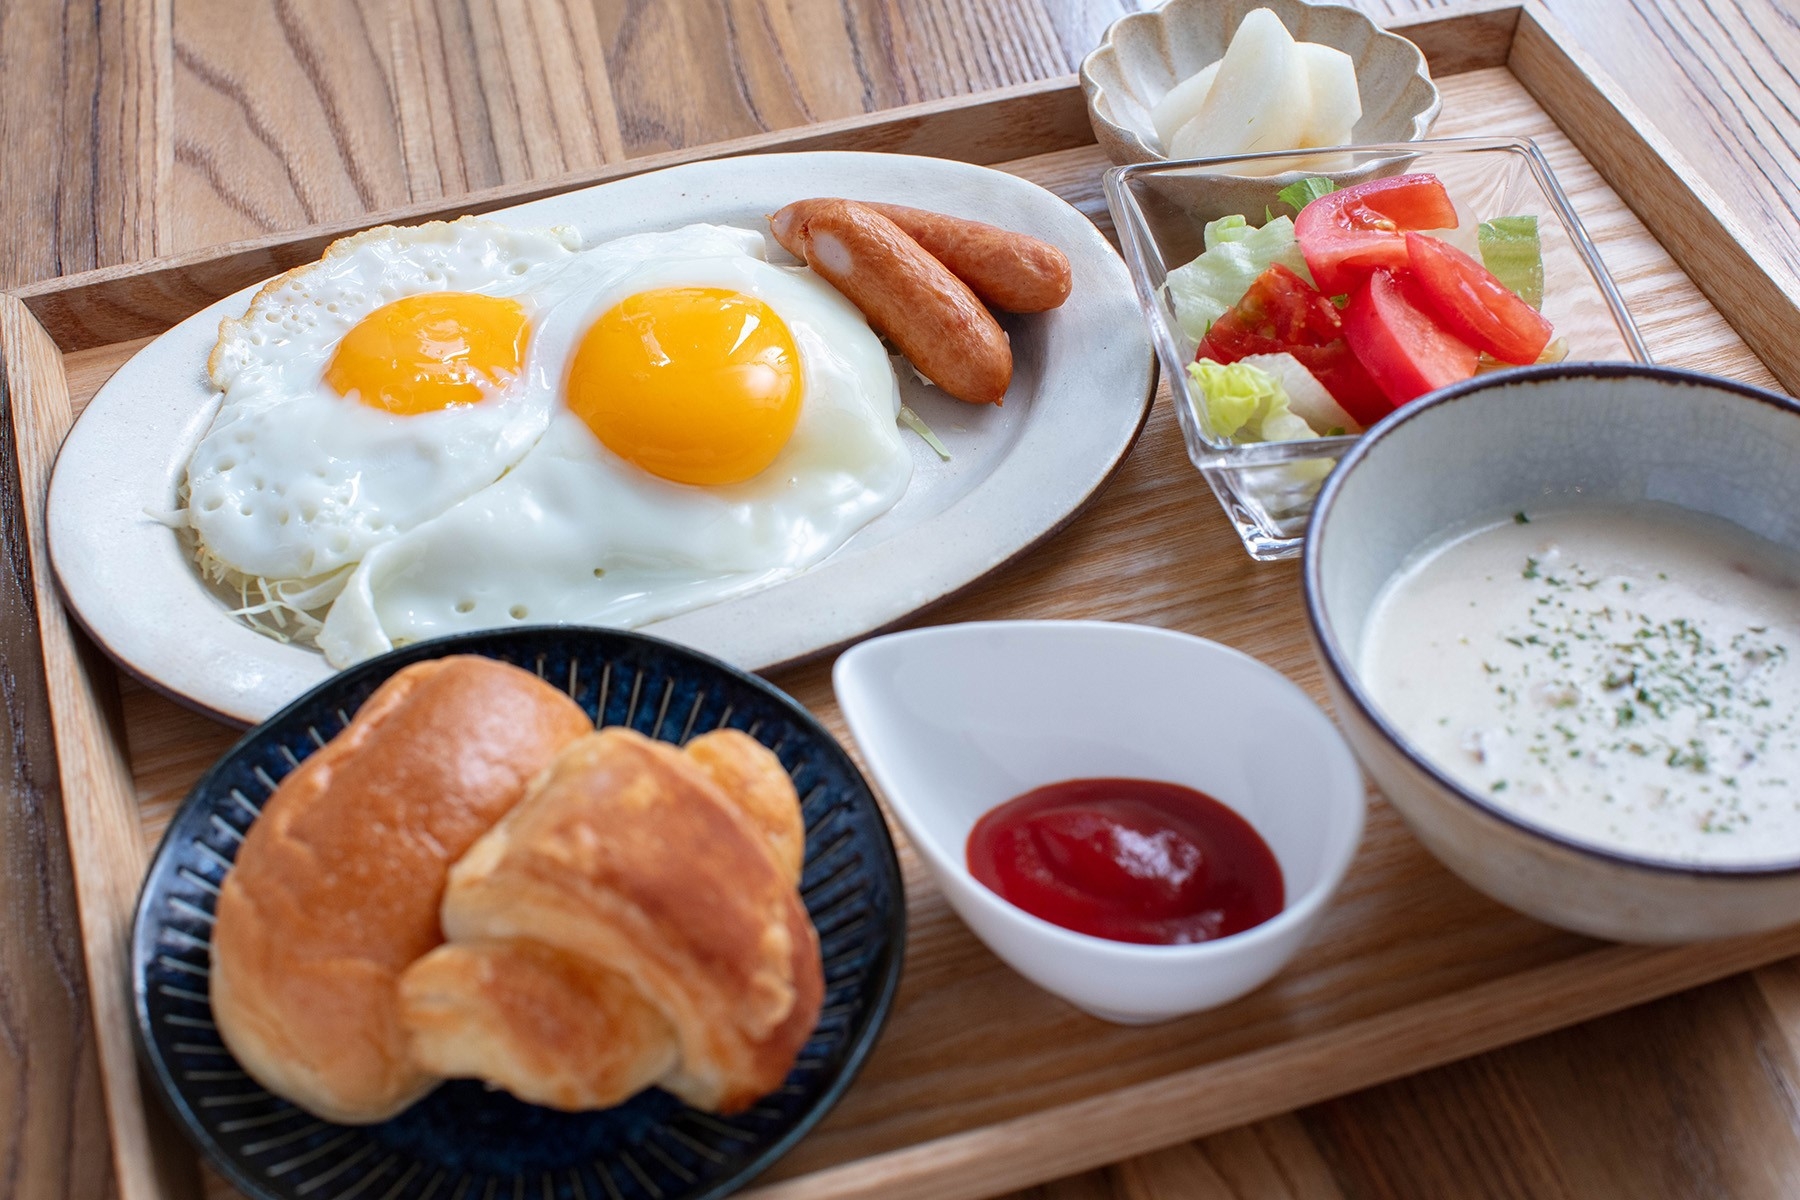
{"x": 982, "y": 1083}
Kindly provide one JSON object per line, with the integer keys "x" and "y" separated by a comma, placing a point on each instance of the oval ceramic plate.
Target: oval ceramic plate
{"x": 463, "y": 1139}
{"x": 1081, "y": 388}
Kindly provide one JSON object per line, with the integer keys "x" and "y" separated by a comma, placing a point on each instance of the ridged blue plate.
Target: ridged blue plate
{"x": 463, "y": 1141}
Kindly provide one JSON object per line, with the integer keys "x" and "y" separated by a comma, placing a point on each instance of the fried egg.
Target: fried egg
{"x": 725, "y": 423}
{"x": 371, "y": 390}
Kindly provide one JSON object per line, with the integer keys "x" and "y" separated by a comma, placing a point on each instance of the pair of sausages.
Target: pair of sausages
{"x": 921, "y": 277}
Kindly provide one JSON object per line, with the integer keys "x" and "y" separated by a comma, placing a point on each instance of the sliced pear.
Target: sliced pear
{"x": 1261, "y": 100}
{"x": 1183, "y": 101}
{"x": 1336, "y": 102}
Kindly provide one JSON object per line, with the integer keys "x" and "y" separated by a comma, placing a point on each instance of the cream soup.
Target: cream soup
{"x": 1623, "y": 675}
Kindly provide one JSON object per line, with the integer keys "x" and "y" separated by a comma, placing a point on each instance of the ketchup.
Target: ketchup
{"x": 1133, "y": 860}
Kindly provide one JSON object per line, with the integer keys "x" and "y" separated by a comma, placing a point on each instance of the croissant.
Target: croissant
{"x": 336, "y": 888}
{"x": 634, "y": 920}
{"x": 548, "y": 1026}
{"x": 753, "y": 779}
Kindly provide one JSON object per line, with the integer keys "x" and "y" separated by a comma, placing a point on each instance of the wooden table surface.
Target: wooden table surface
{"x": 131, "y": 128}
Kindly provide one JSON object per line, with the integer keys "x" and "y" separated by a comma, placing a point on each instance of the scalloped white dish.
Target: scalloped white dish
{"x": 1082, "y": 385}
{"x": 1145, "y": 54}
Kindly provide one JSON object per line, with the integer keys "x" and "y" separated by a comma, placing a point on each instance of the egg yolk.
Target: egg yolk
{"x": 696, "y": 385}
{"x": 423, "y": 353}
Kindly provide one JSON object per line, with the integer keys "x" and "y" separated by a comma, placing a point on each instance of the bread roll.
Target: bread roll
{"x": 629, "y": 856}
{"x": 337, "y": 886}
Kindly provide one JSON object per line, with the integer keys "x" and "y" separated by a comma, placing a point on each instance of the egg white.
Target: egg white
{"x": 576, "y": 534}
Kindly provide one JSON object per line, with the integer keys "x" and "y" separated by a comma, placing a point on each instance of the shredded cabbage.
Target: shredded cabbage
{"x": 916, "y": 423}
{"x": 1236, "y": 253}
{"x": 287, "y": 610}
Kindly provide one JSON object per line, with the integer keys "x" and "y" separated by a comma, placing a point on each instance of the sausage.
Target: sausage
{"x": 787, "y": 223}
{"x": 1013, "y": 272}
{"x": 910, "y": 297}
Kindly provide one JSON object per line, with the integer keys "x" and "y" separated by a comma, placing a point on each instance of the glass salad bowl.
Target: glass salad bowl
{"x": 1162, "y": 211}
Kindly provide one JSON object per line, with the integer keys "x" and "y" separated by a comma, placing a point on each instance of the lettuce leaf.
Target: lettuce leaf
{"x": 1245, "y": 403}
{"x": 1510, "y": 248}
{"x": 1236, "y": 253}
{"x": 1298, "y": 195}
{"x": 1248, "y": 404}
{"x": 1307, "y": 397}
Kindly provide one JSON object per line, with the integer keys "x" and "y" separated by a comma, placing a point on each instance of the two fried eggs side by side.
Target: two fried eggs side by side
{"x": 461, "y": 425}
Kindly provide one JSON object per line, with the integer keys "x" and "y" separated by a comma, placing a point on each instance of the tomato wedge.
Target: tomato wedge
{"x": 1279, "y": 307}
{"x": 1338, "y": 372}
{"x": 1348, "y": 233}
{"x": 1406, "y": 351}
{"x": 1466, "y": 299}
{"x": 1280, "y": 314}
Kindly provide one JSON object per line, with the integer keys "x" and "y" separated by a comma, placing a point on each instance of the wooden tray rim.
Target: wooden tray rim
{"x": 40, "y": 322}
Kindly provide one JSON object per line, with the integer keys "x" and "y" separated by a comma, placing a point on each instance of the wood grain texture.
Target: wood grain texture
{"x": 169, "y": 124}
{"x": 1685, "y": 1098}
{"x": 1684, "y": 1062}
{"x": 135, "y": 300}
{"x": 758, "y": 67}
{"x": 93, "y": 773}
{"x": 85, "y": 125}
{"x": 1719, "y": 76}
{"x": 54, "y": 1140}
{"x": 113, "y": 304}
{"x": 475, "y": 82}
{"x": 1480, "y": 37}
{"x": 425, "y": 101}
{"x": 300, "y": 112}
{"x": 1729, "y": 261}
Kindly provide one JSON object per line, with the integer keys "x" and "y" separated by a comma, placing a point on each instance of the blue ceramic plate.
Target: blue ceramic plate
{"x": 464, "y": 1140}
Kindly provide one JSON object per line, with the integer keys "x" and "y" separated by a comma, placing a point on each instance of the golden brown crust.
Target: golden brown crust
{"x": 769, "y": 1060}
{"x": 627, "y": 854}
{"x": 547, "y": 1026}
{"x": 336, "y": 888}
{"x": 753, "y": 779}
{"x": 908, "y": 296}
